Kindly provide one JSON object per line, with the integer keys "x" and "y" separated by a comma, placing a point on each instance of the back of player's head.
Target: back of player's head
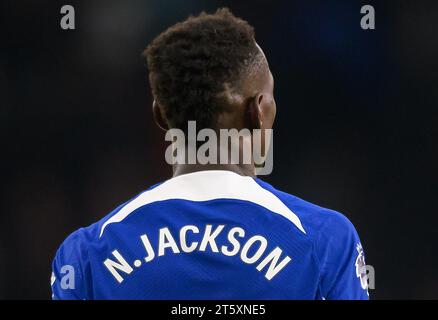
{"x": 194, "y": 62}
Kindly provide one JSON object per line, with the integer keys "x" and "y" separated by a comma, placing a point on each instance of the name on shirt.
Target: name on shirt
{"x": 251, "y": 250}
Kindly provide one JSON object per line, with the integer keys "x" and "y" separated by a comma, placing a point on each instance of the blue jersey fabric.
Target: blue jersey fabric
{"x": 213, "y": 235}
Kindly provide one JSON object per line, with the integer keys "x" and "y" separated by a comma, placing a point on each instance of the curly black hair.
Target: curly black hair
{"x": 194, "y": 61}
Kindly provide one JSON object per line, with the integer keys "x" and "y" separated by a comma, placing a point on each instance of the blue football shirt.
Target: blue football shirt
{"x": 213, "y": 235}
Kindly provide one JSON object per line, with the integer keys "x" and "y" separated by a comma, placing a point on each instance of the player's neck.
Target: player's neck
{"x": 243, "y": 170}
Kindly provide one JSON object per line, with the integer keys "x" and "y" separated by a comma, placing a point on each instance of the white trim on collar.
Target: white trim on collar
{"x": 208, "y": 185}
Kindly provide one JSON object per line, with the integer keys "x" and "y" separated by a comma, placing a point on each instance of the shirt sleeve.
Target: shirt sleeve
{"x": 67, "y": 280}
{"x": 342, "y": 261}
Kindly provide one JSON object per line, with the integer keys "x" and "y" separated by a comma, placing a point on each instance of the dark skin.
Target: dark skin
{"x": 252, "y": 107}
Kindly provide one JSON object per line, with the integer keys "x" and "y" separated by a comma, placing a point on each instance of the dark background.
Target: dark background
{"x": 356, "y": 126}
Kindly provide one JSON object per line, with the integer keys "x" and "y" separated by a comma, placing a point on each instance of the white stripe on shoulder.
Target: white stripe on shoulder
{"x": 205, "y": 186}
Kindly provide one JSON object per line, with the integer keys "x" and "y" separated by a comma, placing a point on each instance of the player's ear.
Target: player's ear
{"x": 158, "y": 116}
{"x": 255, "y": 111}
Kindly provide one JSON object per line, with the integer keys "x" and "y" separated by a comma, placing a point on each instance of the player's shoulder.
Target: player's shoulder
{"x": 314, "y": 218}
{"x": 83, "y": 236}
{"x": 80, "y": 241}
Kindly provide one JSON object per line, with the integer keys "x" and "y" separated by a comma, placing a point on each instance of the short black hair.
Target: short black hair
{"x": 194, "y": 61}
